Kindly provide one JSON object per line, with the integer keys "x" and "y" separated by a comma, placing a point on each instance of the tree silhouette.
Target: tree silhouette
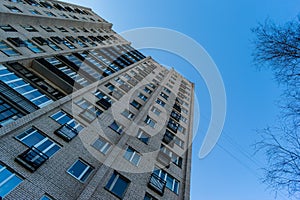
{"x": 278, "y": 47}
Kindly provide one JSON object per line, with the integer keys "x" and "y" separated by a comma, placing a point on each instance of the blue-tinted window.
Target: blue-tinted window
{"x": 117, "y": 184}
{"x": 23, "y": 88}
{"x": 34, "y": 48}
{"x": 8, "y": 113}
{"x": 33, "y": 137}
{"x": 80, "y": 170}
{"x": 63, "y": 118}
{"x": 8, "y": 181}
{"x": 7, "y": 50}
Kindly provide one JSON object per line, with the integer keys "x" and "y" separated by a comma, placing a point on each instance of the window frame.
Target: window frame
{"x": 112, "y": 182}
{"x": 83, "y": 173}
{"x": 131, "y": 155}
{"x": 10, "y": 176}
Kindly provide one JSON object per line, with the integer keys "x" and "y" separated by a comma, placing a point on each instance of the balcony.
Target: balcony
{"x": 66, "y": 132}
{"x": 32, "y": 159}
{"x": 157, "y": 184}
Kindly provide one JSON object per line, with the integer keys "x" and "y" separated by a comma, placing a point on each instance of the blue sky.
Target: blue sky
{"x": 230, "y": 171}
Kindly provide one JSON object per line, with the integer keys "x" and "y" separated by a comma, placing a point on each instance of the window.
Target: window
{"x": 7, "y": 50}
{"x": 132, "y": 156}
{"x": 8, "y": 181}
{"x": 184, "y": 110}
{"x": 147, "y": 90}
{"x": 75, "y": 30}
{"x": 142, "y": 136}
{"x": 8, "y": 114}
{"x": 151, "y": 85}
{"x": 116, "y": 127}
{"x": 67, "y": 71}
{"x": 110, "y": 86}
{"x": 104, "y": 101}
{"x": 41, "y": 41}
{"x": 83, "y": 66}
{"x": 129, "y": 115}
{"x": 8, "y": 28}
{"x": 160, "y": 102}
{"x": 62, "y": 29}
{"x": 23, "y": 88}
{"x": 167, "y": 90}
{"x": 179, "y": 142}
{"x": 155, "y": 110}
{"x": 163, "y": 95}
{"x": 171, "y": 182}
{"x": 32, "y": 2}
{"x": 143, "y": 97}
{"x": 101, "y": 145}
{"x": 68, "y": 44}
{"x": 136, "y": 104}
{"x": 16, "y": 41}
{"x": 46, "y": 4}
{"x": 149, "y": 197}
{"x": 13, "y": 9}
{"x": 181, "y": 129}
{"x": 33, "y": 137}
{"x": 46, "y": 197}
{"x": 117, "y": 185}
{"x": 63, "y": 118}
{"x": 80, "y": 170}
{"x": 30, "y": 28}
{"x": 150, "y": 121}
{"x": 34, "y": 48}
{"x": 63, "y": 15}
{"x": 47, "y": 28}
{"x": 50, "y": 14}
{"x": 53, "y": 46}
{"x": 69, "y": 129}
{"x": 183, "y": 119}
{"x": 90, "y": 112}
{"x": 34, "y": 12}
{"x": 177, "y": 160}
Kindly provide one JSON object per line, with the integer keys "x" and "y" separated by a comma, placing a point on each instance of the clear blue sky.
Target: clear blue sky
{"x": 230, "y": 172}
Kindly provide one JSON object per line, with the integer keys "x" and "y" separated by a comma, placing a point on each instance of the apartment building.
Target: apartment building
{"x": 84, "y": 115}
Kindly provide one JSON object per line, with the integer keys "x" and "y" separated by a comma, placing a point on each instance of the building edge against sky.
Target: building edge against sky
{"x": 83, "y": 115}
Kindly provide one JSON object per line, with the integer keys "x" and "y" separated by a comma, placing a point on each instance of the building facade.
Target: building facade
{"x": 83, "y": 115}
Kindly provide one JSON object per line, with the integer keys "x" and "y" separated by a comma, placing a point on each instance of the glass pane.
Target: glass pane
{"x": 120, "y": 187}
{"x": 53, "y": 150}
{"x": 33, "y": 139}
{"x": 169, "y": 182}
{"x": 4, "y": 174}
{"x": 136, "y": 159}
{"x": 77, "y": 168}
{"x": 87, "y": 173}
{"x": 9, "y": 185}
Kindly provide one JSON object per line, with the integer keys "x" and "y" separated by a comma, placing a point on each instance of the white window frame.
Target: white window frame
{"x": 82, "y": 173}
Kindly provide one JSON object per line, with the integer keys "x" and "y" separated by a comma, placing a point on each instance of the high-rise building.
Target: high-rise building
{"x": 83, "y": 115}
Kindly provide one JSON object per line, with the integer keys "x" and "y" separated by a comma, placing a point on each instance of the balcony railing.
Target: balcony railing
{"x": 157, "y": 184}
{"x": 66, "y": 132}
{"x": 32, "y": 159}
